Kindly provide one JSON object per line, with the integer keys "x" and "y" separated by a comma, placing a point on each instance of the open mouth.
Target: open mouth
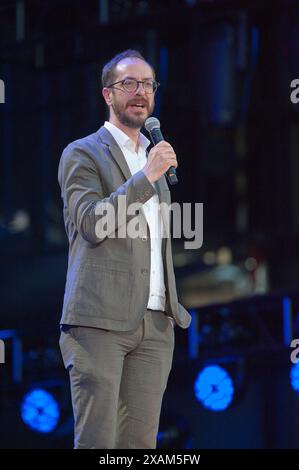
{"x": 137, "y": 106}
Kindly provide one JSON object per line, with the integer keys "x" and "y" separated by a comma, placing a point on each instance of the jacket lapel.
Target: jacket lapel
{"x": 115, "y": 151}
{"x": 164, "y": 197}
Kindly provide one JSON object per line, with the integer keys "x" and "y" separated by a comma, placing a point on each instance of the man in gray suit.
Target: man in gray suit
{"x": 120, "y": 304}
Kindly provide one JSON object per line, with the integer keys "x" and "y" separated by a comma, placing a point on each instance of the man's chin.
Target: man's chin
{"x": 134, "y": 123}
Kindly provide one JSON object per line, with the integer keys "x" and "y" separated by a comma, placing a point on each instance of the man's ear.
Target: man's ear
{"x": 107, "y": 96}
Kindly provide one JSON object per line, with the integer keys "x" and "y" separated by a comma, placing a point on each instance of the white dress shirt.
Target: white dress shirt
{"x": 136, "y": 161}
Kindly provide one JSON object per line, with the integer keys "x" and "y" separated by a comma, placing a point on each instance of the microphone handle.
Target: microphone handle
{"x": 156, "y": 136}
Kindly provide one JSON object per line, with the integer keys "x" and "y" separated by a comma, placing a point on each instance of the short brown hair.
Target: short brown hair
{"x": 108, "y": 73}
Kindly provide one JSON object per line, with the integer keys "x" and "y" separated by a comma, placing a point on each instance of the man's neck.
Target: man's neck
{"x": 132, "y": 133}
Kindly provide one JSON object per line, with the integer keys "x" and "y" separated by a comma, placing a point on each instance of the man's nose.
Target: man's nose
{"x": 140, "y": 89}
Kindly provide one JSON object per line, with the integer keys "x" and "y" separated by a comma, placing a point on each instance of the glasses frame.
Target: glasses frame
{"x": 137, "y": 85}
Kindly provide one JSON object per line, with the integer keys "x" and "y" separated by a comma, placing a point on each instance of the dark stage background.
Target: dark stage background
{"x": 225, "y": 69}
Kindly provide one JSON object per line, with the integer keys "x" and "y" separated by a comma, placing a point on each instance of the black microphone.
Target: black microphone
{"x": 152, "y": 125}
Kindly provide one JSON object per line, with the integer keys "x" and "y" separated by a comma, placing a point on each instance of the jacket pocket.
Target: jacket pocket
{"x": 104, "y": 291}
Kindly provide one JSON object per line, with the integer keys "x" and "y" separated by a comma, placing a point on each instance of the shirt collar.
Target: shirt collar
{"x": 123, "y": 140}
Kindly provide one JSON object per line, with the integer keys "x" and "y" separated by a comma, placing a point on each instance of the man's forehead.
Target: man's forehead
{"x": 131, "y": 66}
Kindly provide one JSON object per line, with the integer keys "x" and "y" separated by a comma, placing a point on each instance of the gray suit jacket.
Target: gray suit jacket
{"x": 108, "y": 279}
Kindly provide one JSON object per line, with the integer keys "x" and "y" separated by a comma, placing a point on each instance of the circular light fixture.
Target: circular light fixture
{"x": 214, "y": 388}
{"x": 40, "y": 410}
{"x": 294, "y": 377}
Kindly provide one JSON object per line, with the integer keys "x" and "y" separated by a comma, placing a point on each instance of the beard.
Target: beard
{"x": 133, "y": 122}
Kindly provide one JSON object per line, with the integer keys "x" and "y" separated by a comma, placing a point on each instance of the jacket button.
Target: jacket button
{"x": 144, "y": 238}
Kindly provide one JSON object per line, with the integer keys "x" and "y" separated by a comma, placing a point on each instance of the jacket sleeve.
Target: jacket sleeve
{"x": 82, "y": 193}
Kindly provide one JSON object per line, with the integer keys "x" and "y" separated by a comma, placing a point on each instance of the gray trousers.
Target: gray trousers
{"x": 117, "y": 382}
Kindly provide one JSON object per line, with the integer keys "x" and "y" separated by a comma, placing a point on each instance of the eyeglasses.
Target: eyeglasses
{"x": 131, "y": 85}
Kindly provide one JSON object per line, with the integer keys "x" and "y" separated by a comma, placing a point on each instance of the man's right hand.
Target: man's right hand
{"x": 160, "y": 158}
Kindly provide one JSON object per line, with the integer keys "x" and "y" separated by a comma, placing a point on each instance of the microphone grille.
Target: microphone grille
{"x": 152, "y": 123}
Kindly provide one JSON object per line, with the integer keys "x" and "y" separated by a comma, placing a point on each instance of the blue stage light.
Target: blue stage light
{"x": 214, "y": 388}
{"x": 294, "y": 377}
{"x": 40, "y": 410}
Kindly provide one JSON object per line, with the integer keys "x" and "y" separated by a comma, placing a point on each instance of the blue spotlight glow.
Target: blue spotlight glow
{"x": 40, "y": 410}
{"x": 294, "y": 377}
{"x": 214, "y": 388}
